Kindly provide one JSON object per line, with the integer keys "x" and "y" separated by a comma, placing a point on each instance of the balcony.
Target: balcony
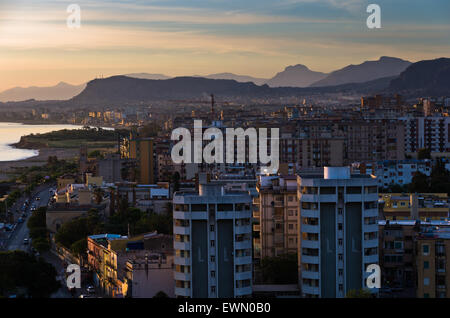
{"x": 243, "y": 291}
{"x": 310, "y": 228}
{"x": 371, "y": 259}
{"x": 310, "y": 198}
{"x": 181, "y": 246}
{"x": 185, "y": 292}
{"x": 183, "y": 230}
{"x": 181, "y": 276}
{"x": 310, "y": 244}
{"x": 309, "y": 213}
{"x": 242, "y": 260}
{"x": 309, "y": 259}
{"x": 243, "y": 244}
{"x": 310, "y": 275}
{"x": 243, "y": 229}
{"x": 371, "y": 212}
{"x": 354, "y": 197}
{"x": 310, "y": 290}
{"x": 370, "y": 243}
{"x": 182, "y": 260}
{"x": 243, "y": 276}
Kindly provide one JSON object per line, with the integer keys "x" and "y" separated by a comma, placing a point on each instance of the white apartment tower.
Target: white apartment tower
{"x": 212, "y": 241}
{"x": 338, "y": 236}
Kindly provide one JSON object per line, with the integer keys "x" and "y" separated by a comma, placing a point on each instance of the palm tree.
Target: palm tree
{"x": 98, "y": 194}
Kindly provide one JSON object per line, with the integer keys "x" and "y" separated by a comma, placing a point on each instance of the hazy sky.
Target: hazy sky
{"x": 198, "y": 37}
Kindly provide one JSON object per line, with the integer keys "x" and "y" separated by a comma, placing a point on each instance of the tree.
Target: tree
{"x": 360, "y": 293}
{"x": 161, "y": 294}
{"x": 424, "y": 154}
{"x": 98, "y": 194}
{"x": 419, "y": 183}
{"x": 21, "y": 270}
{"x": 282, "y": 269}
{"x": 79, "y": 248}
{"x": 175, "y": 179}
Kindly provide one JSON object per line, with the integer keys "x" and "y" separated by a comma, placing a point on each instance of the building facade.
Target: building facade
{"x": 338, "y": 231}
{"x": 212, "y": 242}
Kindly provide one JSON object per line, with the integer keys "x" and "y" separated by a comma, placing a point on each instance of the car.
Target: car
{"x": 90, "y": 289}
{"x": 26, "y": 241}
{"x": 24, "y": 215}
{"x": 38, "y": 198}
{"x": 20, "y": 220}
{"x": 85, "y": 296}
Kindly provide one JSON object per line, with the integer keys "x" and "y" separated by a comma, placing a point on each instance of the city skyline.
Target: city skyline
{"x": 256, "y": 38}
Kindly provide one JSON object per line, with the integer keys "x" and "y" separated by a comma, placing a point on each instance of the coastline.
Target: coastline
{"x": 8, "y": 168}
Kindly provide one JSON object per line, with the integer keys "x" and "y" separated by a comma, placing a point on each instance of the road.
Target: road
{"x": 15, "y": 241}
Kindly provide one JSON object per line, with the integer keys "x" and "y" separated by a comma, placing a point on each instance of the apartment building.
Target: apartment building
{"x": 397, "y": 254}
{"x": 427, "y": 132}
{"x": 374, "y": 140}
{"x": 141, "y": 149}
{"x": 338, "y": 231}
{"x": 433, "y": 267}
{"x": 390, "y": 172}
{"x": 138, "y": 267}
{"x": 213, "y": 241}
{"x": 415, "y": 206}
{"x": 278, "y": 214}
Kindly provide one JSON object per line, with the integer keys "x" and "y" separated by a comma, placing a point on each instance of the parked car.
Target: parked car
{"x": 20, "y": 220}
{"x": 90, "y": 289}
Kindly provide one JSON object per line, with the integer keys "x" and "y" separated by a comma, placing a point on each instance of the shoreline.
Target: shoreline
{"x": 7, "y": 168}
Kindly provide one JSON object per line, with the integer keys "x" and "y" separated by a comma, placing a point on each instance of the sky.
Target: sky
{"x": 200, "y": 37}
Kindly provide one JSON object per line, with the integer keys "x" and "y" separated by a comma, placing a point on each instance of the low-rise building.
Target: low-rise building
{"x": 415, "y": 206}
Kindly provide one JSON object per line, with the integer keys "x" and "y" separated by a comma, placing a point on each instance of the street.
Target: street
{"x": 14, "y": 240}
{"x": 16, "y": 237}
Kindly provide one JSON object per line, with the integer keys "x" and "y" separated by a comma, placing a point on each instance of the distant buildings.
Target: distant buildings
{"x": 213, "y": 241}
{"x": 338, "y": 231}
{"x": 433, "y": 268}
{"x": 278, "y": 214}
{"x": 415, "y": 206}
{"x": 427, "y": 133}
{"x": 395, "y": 172}
{"x": 138, "y": 267}
{"x": 141, "y": 149}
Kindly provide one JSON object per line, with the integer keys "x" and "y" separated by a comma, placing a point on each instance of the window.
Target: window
{"x": 426, "y": 249}
{"x": 426, "y": 264}
{"x": 213, "y": 289}
{"x": 426, "y": 281}
{"x": 213, "y": 243}
{"x": 213, "y": 274}
{"x": 213, "y": 259}
{"x": 211, "y": 228}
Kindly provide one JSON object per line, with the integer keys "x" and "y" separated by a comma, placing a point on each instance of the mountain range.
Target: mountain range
{"x": 367, "y": 71}
{"x": 387, "y": 75}
{"x": 61, "y": 91}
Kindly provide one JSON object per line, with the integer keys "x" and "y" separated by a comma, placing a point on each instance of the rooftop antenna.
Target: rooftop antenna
{"x": 212, "y": 106}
